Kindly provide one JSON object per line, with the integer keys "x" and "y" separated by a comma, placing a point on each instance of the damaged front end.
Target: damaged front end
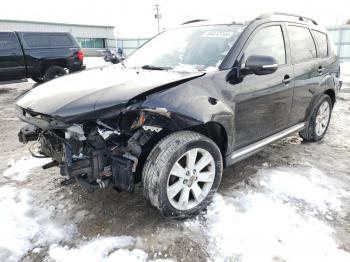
{"x": 97, "y": 153}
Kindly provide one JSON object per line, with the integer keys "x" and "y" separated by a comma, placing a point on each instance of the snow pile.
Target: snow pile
{"x": 106, "y": 249}
{"x": 26, "y": 228}
{"x": 274, "y": 216}
{"x": 99, "y": 249}
{"x": 23, "y": 226}
{"x": 20, "y": 170}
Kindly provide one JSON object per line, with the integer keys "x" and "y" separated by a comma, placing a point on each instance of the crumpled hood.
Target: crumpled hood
{"x": 96, "y": 89}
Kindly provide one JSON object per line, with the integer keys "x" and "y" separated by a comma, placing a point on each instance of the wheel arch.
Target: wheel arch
{"x": 331, "y": 93}
{"x": 46, "y": 64}
{"x": 215, "y": 131}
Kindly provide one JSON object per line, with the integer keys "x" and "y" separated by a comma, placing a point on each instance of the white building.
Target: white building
{"x": 90, "y": 37}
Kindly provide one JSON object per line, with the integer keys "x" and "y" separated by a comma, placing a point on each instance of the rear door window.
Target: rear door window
{"x": 60, "y": 40}
{"x": 322, "y": 43}
{"x": 268, "y": 42}
{"x": 302, "y": 44}
{"x": 8, "y": 41}
{"x": 37, "y": 40}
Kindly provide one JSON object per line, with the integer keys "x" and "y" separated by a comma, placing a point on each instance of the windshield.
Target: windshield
{"x": 188, "y": 49}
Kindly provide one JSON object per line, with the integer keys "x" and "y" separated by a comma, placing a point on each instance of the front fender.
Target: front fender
{"x": 185, "y": 111}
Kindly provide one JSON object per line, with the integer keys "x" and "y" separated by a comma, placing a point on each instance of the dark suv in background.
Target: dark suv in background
{"x": 188, "y": 103}
{"x": 40, "y": 56}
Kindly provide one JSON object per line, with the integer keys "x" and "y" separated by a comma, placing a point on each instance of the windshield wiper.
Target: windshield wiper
{"x": 152, "y": 67}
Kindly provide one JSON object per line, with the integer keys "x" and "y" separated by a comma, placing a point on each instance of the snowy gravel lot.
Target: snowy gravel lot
{"x": 290, "y": 202}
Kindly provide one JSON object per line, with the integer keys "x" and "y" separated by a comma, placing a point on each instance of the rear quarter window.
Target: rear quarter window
{"x": 37, "y": 40}
{"x": 322, "y": 43}
{"x": 60, "y": 40}
{"x": 47, "y": 40}
{"x": 302, "y": 44}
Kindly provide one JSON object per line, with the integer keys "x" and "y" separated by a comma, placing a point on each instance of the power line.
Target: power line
{"x": 157, "y": 16}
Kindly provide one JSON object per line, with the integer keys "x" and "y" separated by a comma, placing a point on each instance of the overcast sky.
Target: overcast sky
{"x": 133, "y": 18}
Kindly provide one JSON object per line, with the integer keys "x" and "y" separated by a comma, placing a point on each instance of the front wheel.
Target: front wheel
{"x": 319, "y": 120}
{"x": 182, "y": 173}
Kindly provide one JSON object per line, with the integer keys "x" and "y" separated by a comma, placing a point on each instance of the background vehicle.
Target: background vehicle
{"x": 110, "y": 56}
{"x": 113, "y": 56}
{"x": 40, "y": 56}
{"x": 188, "y": 103}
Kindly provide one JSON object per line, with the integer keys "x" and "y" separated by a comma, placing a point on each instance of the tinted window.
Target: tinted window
{"x": 8, "y": 41}
{"x": 60, "y": 40}
{"x": 302, "y": 45}
{"x": 322, "y": 43}
{"x": 37, "y": 40}
{"x": 268, "y": 42}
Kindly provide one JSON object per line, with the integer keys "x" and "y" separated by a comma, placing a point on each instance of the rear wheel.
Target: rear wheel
{"x": 182, "y": 173}
{"x": 319, "y": 120}
{"x": 53, "y": 72}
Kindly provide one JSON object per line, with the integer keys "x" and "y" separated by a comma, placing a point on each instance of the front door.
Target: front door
{"x": 12, "y": 65}
{"x": 263, "y": 102}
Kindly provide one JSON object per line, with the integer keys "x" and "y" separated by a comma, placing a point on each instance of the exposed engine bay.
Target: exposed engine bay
{"x": 98, "y": 153}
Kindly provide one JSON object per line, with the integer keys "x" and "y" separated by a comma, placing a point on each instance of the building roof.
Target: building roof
{"x": 53, "y": 23}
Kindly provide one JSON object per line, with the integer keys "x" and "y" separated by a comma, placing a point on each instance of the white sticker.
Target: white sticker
{"x": 217, "y": 34}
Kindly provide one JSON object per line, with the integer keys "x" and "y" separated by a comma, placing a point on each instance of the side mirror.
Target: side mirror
{"x": 260, "y": 65}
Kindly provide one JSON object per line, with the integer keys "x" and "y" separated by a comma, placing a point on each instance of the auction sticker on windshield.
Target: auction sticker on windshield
{"x": 217, "y": 34}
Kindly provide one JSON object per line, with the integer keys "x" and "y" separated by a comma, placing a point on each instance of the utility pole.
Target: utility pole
{"x": 157, "y": 16}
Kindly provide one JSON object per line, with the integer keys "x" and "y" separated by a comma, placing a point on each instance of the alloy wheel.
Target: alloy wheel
{"x": 191, "y": 179}
{"x": 322, "y": 118}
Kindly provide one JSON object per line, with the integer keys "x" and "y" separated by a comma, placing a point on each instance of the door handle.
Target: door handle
{"x": 286, "y": 79}
{"x": 320, "y": 70}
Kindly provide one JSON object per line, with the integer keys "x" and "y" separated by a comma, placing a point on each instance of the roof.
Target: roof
{"x": 274, "y": 16}
{"x": 53, "y": 23}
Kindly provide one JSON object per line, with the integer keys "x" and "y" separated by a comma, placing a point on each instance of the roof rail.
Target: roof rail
{"x": 300, "y": 17}
{"x": 194, "y": 21}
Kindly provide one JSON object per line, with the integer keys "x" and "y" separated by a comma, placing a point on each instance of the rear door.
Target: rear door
{"x": 12, "y": 64}
{"x": 263, "y": 102}
{"x": 327, "y": 64}
{"x": 306, "y": 70}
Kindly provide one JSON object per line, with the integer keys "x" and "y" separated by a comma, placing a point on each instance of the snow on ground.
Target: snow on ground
{"x": 100, "y": 249}
{"x": 27, "y": 228}
{"x": 274, "y": 216}
{"x": 20, "y": 170}
{"x": 93, "y": 62}
{"x": 24, "y": 226}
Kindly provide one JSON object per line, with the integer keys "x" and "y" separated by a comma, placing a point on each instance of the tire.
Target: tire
{"x": 53, "y": 72}
{"x": 37, "y": 79}
{"x": 311, "y": 133}
{"x": 156, "y": 177}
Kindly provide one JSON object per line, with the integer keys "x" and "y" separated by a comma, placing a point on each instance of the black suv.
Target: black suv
{"x": 191, "y": 101}
{"x": 40, "y": 56}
